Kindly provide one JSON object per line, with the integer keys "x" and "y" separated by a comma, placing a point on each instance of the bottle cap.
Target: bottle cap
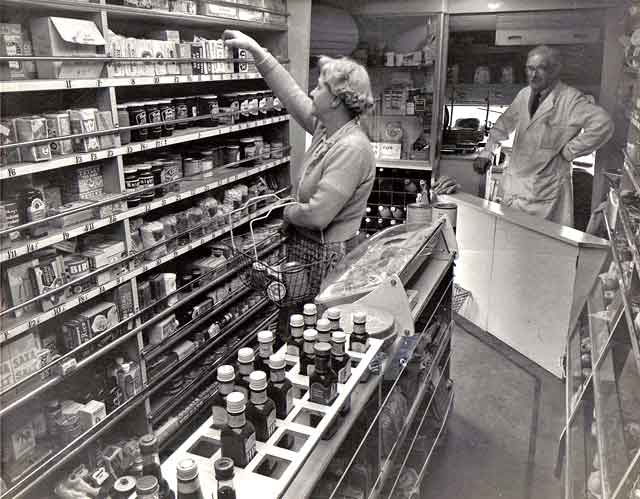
{"x": 310, "y": 334}
{"x": 338, "y": 337}
{"x": 246, "y": 355}
{"x": 148, "y": 443}
{"x": 323, "y": 325}
{"x": 125, "y": 485}
{"x": 333, "y": 313}
{"x": 125, "y": 368}
{"x": 360, "y": 317}
{"x": 224, "y": 468}
{"x": 309, "y": 309}
{"x": 277, "y": 361}
{"x": 258, "y": 380}
{"x": 322, "y": 349}
{"x": 187, "y": 469}
{"x": 265, "y": 336}
{"x": 146, "y": 485}
{"x": 296, "y": 320}
{"x": 235, "y": 402}
{"x": 226, "y": 373}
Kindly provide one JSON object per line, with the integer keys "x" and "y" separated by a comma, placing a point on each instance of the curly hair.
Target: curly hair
{"x": 348, "y": 80}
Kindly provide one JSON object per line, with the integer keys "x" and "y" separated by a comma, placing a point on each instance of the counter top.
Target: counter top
{"x": 550, "y": 229}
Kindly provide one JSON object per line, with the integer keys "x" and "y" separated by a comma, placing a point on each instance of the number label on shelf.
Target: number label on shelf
{"x": 98, "y": 83}
{"x": 33, "y": 322}
{"x": 113, "y": 219}
{"x": 11, "y": 253}
{"x": 156, "y": 80}
{"x": 178, "y": 197}
{"x": 102, "y": 289}
{"x": 67, "y": 83}
{"x": 82, "y": 299}
{"x": 130, "y": 149}
{"x": 143, "y": 146}
{"x": 66, "y": 236}
{"x": 89, "y": 227}
{"x": 93, "y": 156}
{"x": 176, "y": 79}
{"x": 31, "y": 247}
{"x": 147, "y": 208}
{"x": 132, "y": 81}
{"x": 11, "y": 172}
{"x": 161, "y": 143}
{"x": 79, "y": 159}
{"x": 58, "y": 310}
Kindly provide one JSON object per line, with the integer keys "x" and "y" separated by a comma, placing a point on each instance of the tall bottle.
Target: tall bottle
{"x": 280, "y": 389}
{"x": 341, "y": 363}
{"x": 246, "y": 359}
{"x": 308, "y": 356}
{"x": 323, "y": 327}
{"x": 224, "y": 470}
{"x": 239, "y": 436}
{"x": 265, "y": 342}
{"x": 188, "y": 479}
{"x": 359, "y": 341}
{"x": 310, "y": 314}
{"x": 147, "y": 487}
{"x": 296, "y": 340}
{"x": 151, "y": 464}
{"x": 323, "y": 382}
{"x": 334, "y": 315}
{"x": 226, "y": 378}
{"x": 261, "y": 411}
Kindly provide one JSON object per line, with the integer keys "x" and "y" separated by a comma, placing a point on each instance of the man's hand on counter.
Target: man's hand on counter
{"x": 481, "y": 165}
{"x": 444, "y": 185}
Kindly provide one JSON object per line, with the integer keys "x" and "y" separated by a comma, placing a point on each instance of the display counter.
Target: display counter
{"x": 528, "y": 277}
{"x": 407, "y": 382}
{"x": 460, "y": 168}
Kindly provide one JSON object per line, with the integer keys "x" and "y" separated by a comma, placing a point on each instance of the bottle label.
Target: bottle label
{"x": 321, "y": 394}
{"x": 219, "y": 416}
{"x": 277, "y": 105}
{"x": 308, "y": 347}
{"x": 188, "y": 486}
{"x": 359, "y": 328}
{"x": 310, "y": 369}
{"x": 271, "y": 422}
{"x": 266, "y": 350}
{"x": 289, "y": 400}
{"x": 250, "y": 447}
{"x": 293, "y": 350}
{"x": 309, "y": 321}
{"x": 324, "y": 336}
{"x": 258, "y": 398}
{"x": 359, "y": 346}
{"x": 344, "y": 373}
{"x": 236, "y": 420}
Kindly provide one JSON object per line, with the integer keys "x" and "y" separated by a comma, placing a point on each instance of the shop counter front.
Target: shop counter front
{"x": 528, "y": 277}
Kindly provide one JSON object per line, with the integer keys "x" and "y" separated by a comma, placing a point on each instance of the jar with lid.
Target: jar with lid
{"x": 247, "y": 150}
{"x": 145, "y": 180}
{"x": 168, "y": 113}
{"x": 181, "y": 111}
{"x": 156, "y": 171}
{"x": 123, "y": 121}
{"x": 229, "y": 105}
{"x": 32, "y": 207}
{"x": 259, "y": 148}
{"x": 276, "y": 149}
{"x": 254, "y": 99}
{"x": 231, "y": 154}
{"x": 262, "y": 104}
{"x": 208, "y": 106}
{"x": 206, "y": 163}
{"x": 137, "y": 116}
{"x": 191, "y": 167}
{"x": 192, "y": 106}
{"x": 153, "y": 116}
{"x": 243, "y": 104}
{"x": 269, "y": 102}
{"x": 266, "y": 151}
{"x": 131, "y": 186}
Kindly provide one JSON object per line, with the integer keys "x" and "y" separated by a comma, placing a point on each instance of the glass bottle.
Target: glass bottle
{"x": 296, "y": 340}
{"x": 310, "y": 314}
{"x": 341, "y": 363}
{"x": 151, "y": 464}
{"x": 246, "y": 358}
{"x": 280, "y": 389}
{"x": 224, "y": 476}
{"x": 265, "y": 342}
{"x": 323, "y": 382}
{"x": 188, "y": 479}
{"x": 307, "y": 358}
{"x": 226, "y": 377}
{"x": 334, "y": 315}
{"x": 261, "y": 411}
{"x": 238, "y": 436}
{"x": 123, "y": 487}
{"x": 147, "y": 487}
{"x": 359, "y": 341}
{"x": 323, "y": 327}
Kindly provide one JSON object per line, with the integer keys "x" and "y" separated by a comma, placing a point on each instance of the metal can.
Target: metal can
{"x": 181, "y": 111}
{"x": 137, "y": 116}
{"x": 32, "y": 207}
{"x": 259, "y": 142}
{"x": 168, "y": 113}
{"x": 208, "y": 105}
{"x": 131, "y": 185}
{"x": 145, "y": 180}
{"x": 77, "y": 266}
{"x": 191, "y": 167}
{"x": 206, "y": 163}
{"x": 153, "y": 116}
{"x": 68, "y": 428}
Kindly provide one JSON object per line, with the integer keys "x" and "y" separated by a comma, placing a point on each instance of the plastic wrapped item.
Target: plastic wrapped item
{"x": 170, "y": 224}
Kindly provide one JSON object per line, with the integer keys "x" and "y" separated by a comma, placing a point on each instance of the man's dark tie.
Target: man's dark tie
{"x": 534, "y": 103}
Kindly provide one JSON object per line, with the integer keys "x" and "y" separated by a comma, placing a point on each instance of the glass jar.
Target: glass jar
{"x": 276, "y": 149}
{"x": 181, "y": 111}
{"x": 206, "y": 163}
{"x": 137, "y": 116}
{"x": 229, "y": 103}
{"x": 153, "y": 116}
{"x": 168, "y": 113}
{"x": 259, "y": 148}
{"x": 269, "y": 102}
{"x": 156, "y": 171}
{"x": 231, "y": 154}
{"x": 123, "y": 121}
{"x": 131, "y": 186}
{"x": 32, "y": 207}
{"x": 262, "y": 104}
{"x": 145, "y": 180}
{"x": 192, "y": 106}
{"x": 254, "y": 111}
{"x": 247, "y": 150}
{"x": 208, "y": 106}
{"x": 191, "y": 167}
{"x": 266, "y": 151}
{"x": 243, "y": 105}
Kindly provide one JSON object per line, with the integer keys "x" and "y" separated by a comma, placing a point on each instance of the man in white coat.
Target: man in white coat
{"x": 554, "y": 124}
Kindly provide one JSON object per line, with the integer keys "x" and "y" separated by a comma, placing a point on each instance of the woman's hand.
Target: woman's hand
{"x": 237, "y": 39}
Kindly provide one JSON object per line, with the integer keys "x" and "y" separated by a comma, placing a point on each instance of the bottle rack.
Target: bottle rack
{"x": 38, "y": 475}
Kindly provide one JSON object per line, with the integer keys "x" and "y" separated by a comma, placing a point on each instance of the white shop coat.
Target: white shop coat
{"x": 538, "y": 178}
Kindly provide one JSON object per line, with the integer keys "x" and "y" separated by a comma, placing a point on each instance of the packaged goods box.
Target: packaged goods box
{"x": 62, "y": 36}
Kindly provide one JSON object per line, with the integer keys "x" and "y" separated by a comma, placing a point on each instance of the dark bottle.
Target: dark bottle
{"x": 295, "y": 340}
{"x": 323, "y": 327}
{"x": 261, "y": 411}
{"x": 323, "y": 382}
{"x": 334, "y": 315}
{"x": 147, "y": 487}
{"x": 123, "y": 487}
{"x": 341, "y": 363}
{"x": 265, "y": 343}
{"x": 308, "y": 356}
{"x": 246, "y": 358}
{"x": 280, "y": 389}
{"x": 224, "y": 476}
{"x": 188, "y": 479}
{"x": 359, "y": 341}
{"x": 310, "y": 314}
{"x": 239, "y": 436}
{"x": 151, "y": 464}
{"x": 226, "y": 377}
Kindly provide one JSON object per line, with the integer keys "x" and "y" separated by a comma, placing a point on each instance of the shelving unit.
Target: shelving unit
{"x": 148, "y": 408}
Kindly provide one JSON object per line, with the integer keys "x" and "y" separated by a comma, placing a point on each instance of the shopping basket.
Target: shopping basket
{"x": 297, "y": 278}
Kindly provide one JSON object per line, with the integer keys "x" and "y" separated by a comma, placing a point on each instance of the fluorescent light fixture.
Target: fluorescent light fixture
{"x": 494, "y": 5}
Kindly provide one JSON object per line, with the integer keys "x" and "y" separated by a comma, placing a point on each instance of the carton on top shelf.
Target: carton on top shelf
{"x": 62, "y": 36}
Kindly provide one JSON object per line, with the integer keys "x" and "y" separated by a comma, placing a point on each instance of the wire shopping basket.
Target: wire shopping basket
{"x": 297, "y": 278}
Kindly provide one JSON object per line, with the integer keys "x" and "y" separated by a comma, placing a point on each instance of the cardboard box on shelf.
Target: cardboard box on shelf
{"x": 184, "y": 51}
{"x": 19, "y": 285}
{"x": 73, "y": 218}
{"x": 170, "y": 51}
{"x": 91, "y": 414}
{"x": 21, "y": 441}
{"x": 62, "y": 36}
{"x": 166, "y": 35}
{"x": 104, "y": 253}
{"x": 46, "y": 276}
{"x": 84, "y": 121}
{"x": 11, "y": 43}
{"x": 20, "y": 359}
{"x": 100, "y": 317}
